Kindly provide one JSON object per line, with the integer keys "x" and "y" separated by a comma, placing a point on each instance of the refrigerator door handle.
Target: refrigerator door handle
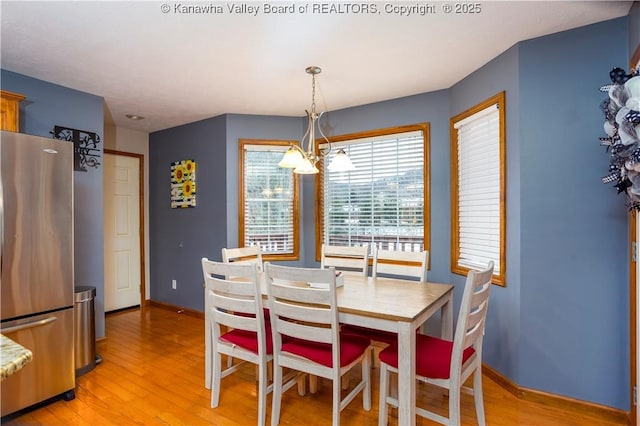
{"x": 29, "y": 325}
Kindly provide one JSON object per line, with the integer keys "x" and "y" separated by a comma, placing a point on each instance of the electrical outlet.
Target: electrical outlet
{"x": 174, "y": 284}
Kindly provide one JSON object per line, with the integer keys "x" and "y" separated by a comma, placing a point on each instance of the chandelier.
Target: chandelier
{"x": 302, "y": 158}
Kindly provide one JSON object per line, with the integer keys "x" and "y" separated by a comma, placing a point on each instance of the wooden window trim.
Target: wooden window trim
{"x": 455, "y": 240}
{"x": 425, "y": 128}
{"x": 296, "y": 200}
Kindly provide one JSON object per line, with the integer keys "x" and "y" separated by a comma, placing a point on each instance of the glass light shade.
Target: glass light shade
{"x": 341, "y": 162}
{"x": 306, "y": 168}
{"x": 292, "y": 158}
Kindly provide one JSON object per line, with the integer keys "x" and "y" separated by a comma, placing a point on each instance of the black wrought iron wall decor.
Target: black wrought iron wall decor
{"x": 85, "y": 146}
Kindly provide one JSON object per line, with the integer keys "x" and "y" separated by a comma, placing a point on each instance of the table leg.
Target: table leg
{"x": 406, "y": 374}
{"x": 446, "y": 319}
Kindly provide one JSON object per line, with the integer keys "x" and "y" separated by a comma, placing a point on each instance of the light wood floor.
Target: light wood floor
{"x": 153, "y": 373}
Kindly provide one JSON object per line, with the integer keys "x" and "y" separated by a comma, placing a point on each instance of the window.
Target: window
{"x": 478, "y": 188}
{"x": 268, "y": 200}
{"x": 384, "y": 201}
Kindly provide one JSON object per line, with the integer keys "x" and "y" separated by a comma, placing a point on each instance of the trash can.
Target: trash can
{"x": 84, "y": 329}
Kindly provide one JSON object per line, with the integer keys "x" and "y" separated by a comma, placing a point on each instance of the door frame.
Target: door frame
{"x": 633, "y": 294}
{"x": 141, "y": 234}
{"x": 633, "y": 314}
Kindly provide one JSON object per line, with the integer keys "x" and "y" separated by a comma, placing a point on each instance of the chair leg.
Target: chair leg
{"x": 336, "y": 401}
{"x": 216, "y": 372}
{"x": 302, "y": 385}
{"x": 262, "y": 394}
{"x": 208, "y": 350}
{"x": 375, "y": 362}
{"x": 344, "y": 380}
{"x": 276, "y": 394}
{"x": 313, "y": 384}
{"x": 393, "y": 385}
{"x": 477, "y": 396}
{"x": 454, "y": 406}
{"x": 384, "y": 390}
{"x": 208, "y": 360}
{"x": 366, "y": 377}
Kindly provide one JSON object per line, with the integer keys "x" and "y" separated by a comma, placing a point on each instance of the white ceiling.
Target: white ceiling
{"x": 175, "y": 68}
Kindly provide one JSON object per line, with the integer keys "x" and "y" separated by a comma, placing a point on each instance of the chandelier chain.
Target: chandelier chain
{"x": 313, "y": 94}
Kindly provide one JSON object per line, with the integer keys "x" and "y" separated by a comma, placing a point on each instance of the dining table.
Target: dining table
{"x": 388, "y": 304}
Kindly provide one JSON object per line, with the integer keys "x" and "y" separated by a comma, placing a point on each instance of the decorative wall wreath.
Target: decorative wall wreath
{"x": 622, "y": 126}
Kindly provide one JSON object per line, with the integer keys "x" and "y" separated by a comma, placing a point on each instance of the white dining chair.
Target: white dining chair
{"x": 240, "y": 255}
{"x": 448, "y": 364}
{"x": 243, "y": 255}
{"x": 349, "y": 259}
{"x": 306, "y": 337}
{"x": 236, "y": 305}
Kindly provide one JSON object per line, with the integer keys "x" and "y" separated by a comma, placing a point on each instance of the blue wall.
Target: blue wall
{"x": 574, "y": 272}
{"x": 179, "y": 238}
{"x": 48, "y": 105}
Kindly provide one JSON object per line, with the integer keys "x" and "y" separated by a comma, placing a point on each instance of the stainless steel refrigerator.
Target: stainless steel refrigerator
{"x": 36, "y": 214}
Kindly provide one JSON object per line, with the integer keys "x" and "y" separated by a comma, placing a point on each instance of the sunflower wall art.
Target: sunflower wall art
{"x": 183, "y": 184}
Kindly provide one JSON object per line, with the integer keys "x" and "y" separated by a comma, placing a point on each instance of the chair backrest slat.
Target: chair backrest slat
{"x": 232, "y": 320}
{"x": 233, "y": 303}
{"x": 230, "y": 286}
{"x": 301, "y": 330}
{"x": 288, "y": 309}
{"x": 298, "y": 290}
{"x": 401, "y": 263}
{"x": 346, "y": 258}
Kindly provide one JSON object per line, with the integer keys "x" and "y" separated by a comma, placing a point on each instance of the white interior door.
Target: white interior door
{"x": 122, "y": 277}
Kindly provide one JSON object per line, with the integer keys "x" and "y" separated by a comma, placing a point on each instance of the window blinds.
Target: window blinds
{"x": 381, "y": 202}
{"x": 268, "y": 200}
{"x": 479, "y": 189}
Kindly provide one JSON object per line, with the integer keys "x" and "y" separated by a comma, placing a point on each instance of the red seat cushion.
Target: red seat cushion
{"x": 433, "y": 358}
{"x": 351, "y": 347}
{"x": 248, "y": 339}
{"x": 371, "y": 334}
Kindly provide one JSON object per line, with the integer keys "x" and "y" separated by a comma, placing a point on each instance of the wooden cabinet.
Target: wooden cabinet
{"x": 10, "y": 111}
